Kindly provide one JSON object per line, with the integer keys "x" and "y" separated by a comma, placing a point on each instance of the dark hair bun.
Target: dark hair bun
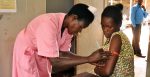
{"x": 120, "y": 6}
{"x": 114, "y": 12}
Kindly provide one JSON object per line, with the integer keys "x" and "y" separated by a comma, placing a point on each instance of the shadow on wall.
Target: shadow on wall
{"x": 1, "y": 16}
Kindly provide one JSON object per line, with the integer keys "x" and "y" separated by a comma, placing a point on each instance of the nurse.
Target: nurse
{"x": 45, "y": 43}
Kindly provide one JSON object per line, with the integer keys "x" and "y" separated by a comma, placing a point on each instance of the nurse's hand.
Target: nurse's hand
{"x": 98, "y": 55}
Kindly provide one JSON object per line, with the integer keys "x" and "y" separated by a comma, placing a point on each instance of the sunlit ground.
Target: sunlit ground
{"x": 140, "y": 63}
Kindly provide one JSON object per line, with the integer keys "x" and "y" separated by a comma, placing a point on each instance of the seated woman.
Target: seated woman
{"x": 121, "y": 63}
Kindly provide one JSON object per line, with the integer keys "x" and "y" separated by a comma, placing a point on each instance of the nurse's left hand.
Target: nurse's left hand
{"x": 98, "y": 55}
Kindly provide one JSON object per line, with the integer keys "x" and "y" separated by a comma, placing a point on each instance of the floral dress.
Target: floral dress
{"x": 125, "y": 64}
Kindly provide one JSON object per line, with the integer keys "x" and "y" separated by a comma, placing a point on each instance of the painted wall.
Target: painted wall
{"x": 91, "y": 38}
{"x": 147, "y": 6}
{"x": 11, "y": 24}
{"x": 58, "y": 5}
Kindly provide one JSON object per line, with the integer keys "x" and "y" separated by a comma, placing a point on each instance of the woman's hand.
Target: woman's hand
{"x": 97, "y": 70}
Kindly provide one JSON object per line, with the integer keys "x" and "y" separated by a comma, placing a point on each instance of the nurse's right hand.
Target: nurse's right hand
{"x": 98, "y": 55}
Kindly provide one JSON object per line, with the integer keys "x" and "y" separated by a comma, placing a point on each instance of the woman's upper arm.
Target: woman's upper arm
{"x": 115, "y": 47}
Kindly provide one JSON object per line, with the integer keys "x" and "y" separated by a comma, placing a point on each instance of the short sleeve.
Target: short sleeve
{"x": 67, "y": 45}
{"x": 46, "y": 37}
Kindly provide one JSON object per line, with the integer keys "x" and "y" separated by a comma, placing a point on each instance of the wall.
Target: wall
{"x": 91, "y": 38}
{"x": 148, "y": 63}
{"x": 147, "y": 6}
{"x": 58, "y": 5}
{"x": 11, "y": 24}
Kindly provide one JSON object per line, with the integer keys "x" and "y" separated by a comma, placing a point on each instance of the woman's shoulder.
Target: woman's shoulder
{"x": 122, "y": 36}
{"x": 119, "y": 33}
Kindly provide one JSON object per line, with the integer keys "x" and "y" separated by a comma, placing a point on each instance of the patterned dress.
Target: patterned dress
{"x": 125, "y": 64}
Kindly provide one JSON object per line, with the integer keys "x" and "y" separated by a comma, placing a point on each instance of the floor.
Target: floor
{"x": 140, "y": 67}
{"x": 140, "y": 63}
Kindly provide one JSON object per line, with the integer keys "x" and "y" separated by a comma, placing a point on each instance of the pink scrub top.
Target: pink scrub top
{"x": 39, "y": 40}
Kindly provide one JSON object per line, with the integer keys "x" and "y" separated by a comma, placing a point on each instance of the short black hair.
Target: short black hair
{"x": 81, "y": 10}
{"x": 115, "y": 12}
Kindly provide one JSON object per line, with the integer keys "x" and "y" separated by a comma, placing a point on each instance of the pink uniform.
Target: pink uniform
{"x": 42, "y": 37}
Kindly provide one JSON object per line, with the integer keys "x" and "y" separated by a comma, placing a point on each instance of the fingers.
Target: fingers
{"x": 95, "y": 64}
{"x": 98, "y": 65}
{"x": 105, "y": 55}
{"x": 105, "y": 52}
{"x": 98, "y": 55}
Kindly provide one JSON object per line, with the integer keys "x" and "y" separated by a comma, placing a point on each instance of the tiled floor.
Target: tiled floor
{"x": 139, "y": 67}
{"x": 140, "y": 63}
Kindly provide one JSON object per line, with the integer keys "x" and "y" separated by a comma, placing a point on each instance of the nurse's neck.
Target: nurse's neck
{"x": 62, "y": 29}
{"x": 63, "y": 26}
